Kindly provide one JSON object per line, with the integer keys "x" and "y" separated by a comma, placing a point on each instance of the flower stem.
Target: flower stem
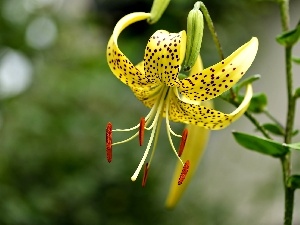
{"x": 286, "y": 160}
{"x": 257, "y": 124}
{"x": 212, "y": 29}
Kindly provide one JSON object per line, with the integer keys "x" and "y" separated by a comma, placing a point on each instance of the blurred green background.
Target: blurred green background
{"x": 57, "y": 95}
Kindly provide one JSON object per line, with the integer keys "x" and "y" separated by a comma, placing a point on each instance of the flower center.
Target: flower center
{"x": 151, "y": 122}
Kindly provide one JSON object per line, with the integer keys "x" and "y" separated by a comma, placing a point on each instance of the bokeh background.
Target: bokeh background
{"x": 57, "y": 94}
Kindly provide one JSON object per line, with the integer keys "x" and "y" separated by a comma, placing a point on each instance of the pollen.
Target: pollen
{"x": 142, "y": 131}
{"x": 109, "y": 142}
{"x": 182, "y": 142}
{"x": 184, "y": 172}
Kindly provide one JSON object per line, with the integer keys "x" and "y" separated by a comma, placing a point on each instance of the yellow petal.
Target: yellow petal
{"x": 119, "y": 64}
{"x": 194, "y": 149}
{"x": 213, "y": 81}
{"x": 203, "y": 116}
{"x": 164, "y": 55}
{"x": 147, "y": 95}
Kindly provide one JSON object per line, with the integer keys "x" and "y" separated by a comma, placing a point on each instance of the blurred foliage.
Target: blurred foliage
{"x": 52, "y": 161}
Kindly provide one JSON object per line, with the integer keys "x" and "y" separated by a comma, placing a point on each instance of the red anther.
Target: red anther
{"x": 184, "y": 172}
{"x": 142, "y": 131}
{"x": 109, "y": 142}
{"x": 145, "y": 176}
{"x": 182, "y": 142}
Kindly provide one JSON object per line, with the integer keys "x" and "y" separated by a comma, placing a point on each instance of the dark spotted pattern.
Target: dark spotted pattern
{"x": 214, "y": 80}
{"x": 123, "y": 68}
{"x": 197, "y": 115}
{"x": 162, "y": 60}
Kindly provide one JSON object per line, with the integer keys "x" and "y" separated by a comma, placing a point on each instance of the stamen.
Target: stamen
{"x": 137, "y": 171}
{"x": 182, "y": 142}
{"x": 142, "y": 131}
{"x": 169, "y": 129}
{"x": 126, "y": 140}
{"x": 109, "y": 142}
{"x": 184, "y": 172}
{"x": 156, "y": 124}
{"x": 145, "y": 175}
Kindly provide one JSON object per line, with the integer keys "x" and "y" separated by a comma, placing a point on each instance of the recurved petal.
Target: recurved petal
{"x": 119, "y": 64}
{"x": 164, "y": 55}
{"x": 203, "y": 116}
{"x": 194, "y": 149}
{"x": 213, "y": 81}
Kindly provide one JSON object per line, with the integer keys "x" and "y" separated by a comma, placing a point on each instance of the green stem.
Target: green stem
{"x": 257, "y": 124}
{"x": 284, "y": 14}
{"x": 288, "y": 191}
{"x": 286, "y": 160}
{"x": 291, "y": 98}
{"x": 213, "y": 32}
{"x": 211, "y": 29}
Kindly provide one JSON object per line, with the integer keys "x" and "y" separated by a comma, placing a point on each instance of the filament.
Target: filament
{"x": 168, "y": 131}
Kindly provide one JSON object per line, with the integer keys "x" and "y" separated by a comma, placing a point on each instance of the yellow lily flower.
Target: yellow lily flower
{"x": 155, "y": 82}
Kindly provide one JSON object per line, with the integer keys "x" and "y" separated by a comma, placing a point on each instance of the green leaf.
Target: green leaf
{"x": 296, "y": 60}
{"x": 297, "y": 92}
{"x": 236, "y": 88}
{"x": 295, "y": 132}
{"x": 294, "y": 181}
{"x": 245, "y": 82}
{"x": 274, "y": 128}
{"x": 295, "y": 146}
{"x": 289, "y": 38}
{"x": 258, "y": 102}
{"x": 261, "y": 145}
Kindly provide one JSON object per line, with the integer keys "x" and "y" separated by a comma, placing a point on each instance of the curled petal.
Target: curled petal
{"x": 164, "y": 55}
{"x": 119, "y": 64}
{"x": 213, "y": 81}
{"x": 203, "y": 116}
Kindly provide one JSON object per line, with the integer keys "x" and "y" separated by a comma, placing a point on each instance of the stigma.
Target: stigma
{"x": 152, "y": 123}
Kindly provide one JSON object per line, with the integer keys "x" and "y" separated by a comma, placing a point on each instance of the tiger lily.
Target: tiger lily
{"x": 156, "y": 83}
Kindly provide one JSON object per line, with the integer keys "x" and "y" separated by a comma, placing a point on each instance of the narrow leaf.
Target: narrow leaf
{"x": 296, "y": 60}
{"x": 274, "y": 128}
{"x": 258, "y": 102}
{"x": 245, "y": 82}
{"x": 297, "y": 92}
{"x": 295, "y": 132}
{"x": 294, "y": 181}
{"x": 261, "y": 145}
{"x": 289, "y": 38}
{"x": 295, "y": 146}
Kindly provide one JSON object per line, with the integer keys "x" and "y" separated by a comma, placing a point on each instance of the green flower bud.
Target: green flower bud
{"x": 195, "y": 27}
